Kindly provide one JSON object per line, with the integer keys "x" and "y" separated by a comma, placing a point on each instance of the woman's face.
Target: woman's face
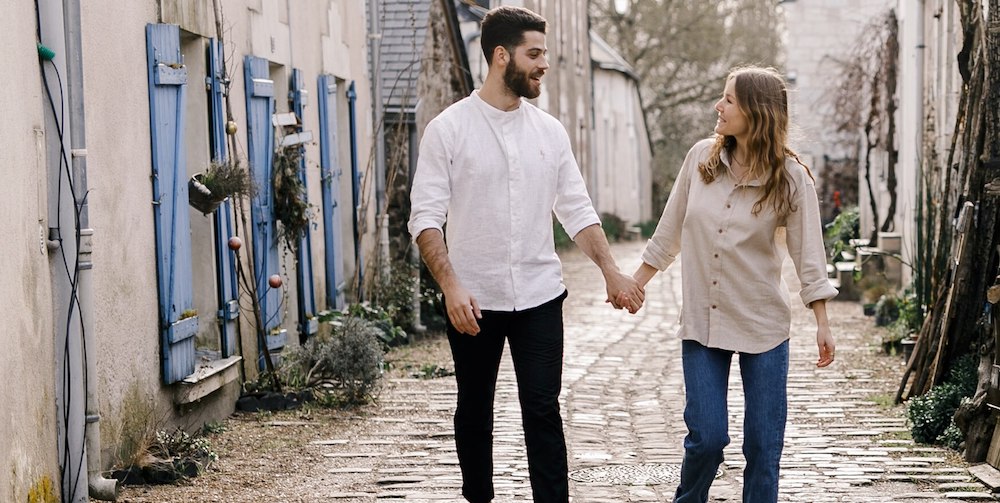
{"x": 731, "y": 121}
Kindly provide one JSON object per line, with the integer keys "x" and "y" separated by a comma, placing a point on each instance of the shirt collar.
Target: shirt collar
{"x": 724, "y": 156}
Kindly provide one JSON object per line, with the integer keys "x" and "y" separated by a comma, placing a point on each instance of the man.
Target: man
{"x": 495, "y": 168}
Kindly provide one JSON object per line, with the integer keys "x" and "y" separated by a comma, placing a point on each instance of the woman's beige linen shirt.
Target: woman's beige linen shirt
{"x": 734, "y": 296}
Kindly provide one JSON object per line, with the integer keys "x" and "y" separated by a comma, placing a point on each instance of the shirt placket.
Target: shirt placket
{"x": 515, "y": 180}
{"x": 716, "y": 280}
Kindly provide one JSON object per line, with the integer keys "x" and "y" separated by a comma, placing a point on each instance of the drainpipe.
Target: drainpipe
{"x": 359, "y": 265}
{"x": 99, "y": 487}
{"x": 378, "y": 111}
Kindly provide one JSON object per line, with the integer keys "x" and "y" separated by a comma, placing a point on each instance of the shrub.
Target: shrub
{"x": 932, "y": 414}
{"x": 952, "y": 437}
{"x": 381, "y": 319}
{"x": 559, "y": 236}
{"x": 345, "y": 366}
{"x": 392, "y": 298}
{"x": 355, "y": 359}
{"x": 648, "y": 227}
{"x": 614, "y": 227}
{"x": 886, "y": 310}
{"x": 838, "y": 234}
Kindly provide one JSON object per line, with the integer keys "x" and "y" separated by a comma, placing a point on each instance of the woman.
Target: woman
{"x": 732, "y": 194}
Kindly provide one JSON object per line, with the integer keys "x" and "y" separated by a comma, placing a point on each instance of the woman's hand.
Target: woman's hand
{"x": 824, "y": 341}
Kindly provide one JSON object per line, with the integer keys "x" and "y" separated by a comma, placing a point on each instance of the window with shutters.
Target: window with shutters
{"x": 195, "y": 274}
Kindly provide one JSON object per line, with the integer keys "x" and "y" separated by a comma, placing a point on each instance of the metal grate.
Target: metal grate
{"x": 633, "y": 475}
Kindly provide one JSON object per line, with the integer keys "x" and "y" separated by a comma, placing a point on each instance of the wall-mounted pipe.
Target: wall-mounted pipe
{"x": 79, "y": 431}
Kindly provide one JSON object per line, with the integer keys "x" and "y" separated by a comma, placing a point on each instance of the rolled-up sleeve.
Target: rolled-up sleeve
{"x": 431, "y": 190}
{"x": 573, "y": 207}
{"x": 665, "y": 244}
{"x": 805, "y": 242}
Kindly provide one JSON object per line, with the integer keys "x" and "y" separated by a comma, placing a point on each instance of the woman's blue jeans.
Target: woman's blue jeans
{"x": 706, "y": 379}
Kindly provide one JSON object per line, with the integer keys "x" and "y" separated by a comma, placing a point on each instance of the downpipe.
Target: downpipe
{"x": 99, "y": 487}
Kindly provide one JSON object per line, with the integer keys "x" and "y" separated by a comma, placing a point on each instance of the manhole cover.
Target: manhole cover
{"x": 632, "y": 475}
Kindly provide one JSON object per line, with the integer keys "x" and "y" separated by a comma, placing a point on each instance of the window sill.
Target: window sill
{"x": 207, "y": 379}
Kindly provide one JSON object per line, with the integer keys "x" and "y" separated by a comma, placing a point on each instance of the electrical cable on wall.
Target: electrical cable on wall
{"x": 47, "y": 55}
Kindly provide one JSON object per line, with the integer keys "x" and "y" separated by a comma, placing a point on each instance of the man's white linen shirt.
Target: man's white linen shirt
{"x": 496, "y": 177}
{"x": 734, "y": 295}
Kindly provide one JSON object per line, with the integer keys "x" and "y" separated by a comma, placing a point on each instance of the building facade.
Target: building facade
{"x": 126, "y": 298}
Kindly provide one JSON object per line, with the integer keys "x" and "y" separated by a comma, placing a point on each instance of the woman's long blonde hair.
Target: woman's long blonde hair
{"x": 762, "y": 97}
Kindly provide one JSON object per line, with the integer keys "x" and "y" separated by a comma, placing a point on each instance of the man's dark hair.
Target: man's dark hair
{"x": 505, "y": 26}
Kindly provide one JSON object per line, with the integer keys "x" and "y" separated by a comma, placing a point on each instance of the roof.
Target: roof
{"x": 604, "y": 56}
{"x": 404, "y": 25}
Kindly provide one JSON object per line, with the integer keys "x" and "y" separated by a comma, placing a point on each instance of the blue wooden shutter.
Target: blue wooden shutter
{"x": 260, "y": 153}
{"x": 225, "y": 264}
{"x": 167, "y": 78}
{"x": 331, "y": 171}
{"x": 308, "y": 324}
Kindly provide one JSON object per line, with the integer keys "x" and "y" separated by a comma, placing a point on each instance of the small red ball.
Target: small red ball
{"x": 235, "y": 243}
{"x": 274, "y": 281}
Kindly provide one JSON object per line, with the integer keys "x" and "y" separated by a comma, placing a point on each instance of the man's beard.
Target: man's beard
{"x": 519, "y": 82}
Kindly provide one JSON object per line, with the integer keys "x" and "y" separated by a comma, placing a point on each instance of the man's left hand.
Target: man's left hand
{"x": 624, "y": 292}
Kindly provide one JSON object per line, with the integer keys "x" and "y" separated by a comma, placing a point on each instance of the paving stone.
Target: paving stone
{"x": 623, "y": 401}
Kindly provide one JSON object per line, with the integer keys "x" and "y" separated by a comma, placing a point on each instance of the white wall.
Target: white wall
{"x": 622, "y": 152}
{"x": 27, "y": 392}
{"x": 317, "y": 37}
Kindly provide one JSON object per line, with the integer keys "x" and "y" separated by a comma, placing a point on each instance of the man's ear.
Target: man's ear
{"x": 500, "y": 55}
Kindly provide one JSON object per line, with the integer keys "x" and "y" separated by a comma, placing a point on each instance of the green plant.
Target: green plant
{"x": 343, "y": 368}
{"x": 213, "y": 428}
{"x": 931, "y": 414}
{"x": 838, "y": 234}
{"x": 951, "y": 437}
{"x": 559, "y": 236}
{"x": 910, "y": 314}
{"x": 381, "y": 319}
{"x": 648, "y": 227}
{"x": 137, "y": 429}
{"x": 886, "y": 310}
{"x": 394, "y": 296}
{"x": 189, "y": 455}
{"x": 226, "y": 179}
{"x": 614, "y": 227}
{"x": 291, "y": 208}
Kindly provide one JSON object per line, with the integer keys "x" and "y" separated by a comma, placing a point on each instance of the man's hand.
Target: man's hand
{"x": 463, "y": 310}
{"x": 624, "y": 292}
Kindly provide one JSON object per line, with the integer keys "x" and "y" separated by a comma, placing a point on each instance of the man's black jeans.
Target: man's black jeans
{"x": 536, "y": 348}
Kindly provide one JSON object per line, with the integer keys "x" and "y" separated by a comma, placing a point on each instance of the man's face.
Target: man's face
{"x": 527, "y": 64}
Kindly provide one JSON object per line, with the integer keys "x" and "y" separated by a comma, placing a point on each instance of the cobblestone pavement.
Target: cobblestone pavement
{"x": 623, "y": 410}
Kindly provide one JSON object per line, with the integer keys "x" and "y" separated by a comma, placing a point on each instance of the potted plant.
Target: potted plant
{"x": 208, "y": 189}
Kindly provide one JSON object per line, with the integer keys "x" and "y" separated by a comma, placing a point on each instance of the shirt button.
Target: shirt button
{"x": 729, "y": 205}
{"x": 716, "y": 255}
{"x": 715, "y": 282}
{"x": 714, "y": 306}
{"x": 720, "y": 231}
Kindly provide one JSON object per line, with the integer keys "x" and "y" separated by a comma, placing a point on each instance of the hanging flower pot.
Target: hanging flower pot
{"x": 207, "y": 190}
{"x": 200, "y": 197}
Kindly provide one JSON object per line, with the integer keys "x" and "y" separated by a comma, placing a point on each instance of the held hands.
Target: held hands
{"x": 624, "y": 292}
{"x": 824, "y": 341}
{"x": 463, "y": 310}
